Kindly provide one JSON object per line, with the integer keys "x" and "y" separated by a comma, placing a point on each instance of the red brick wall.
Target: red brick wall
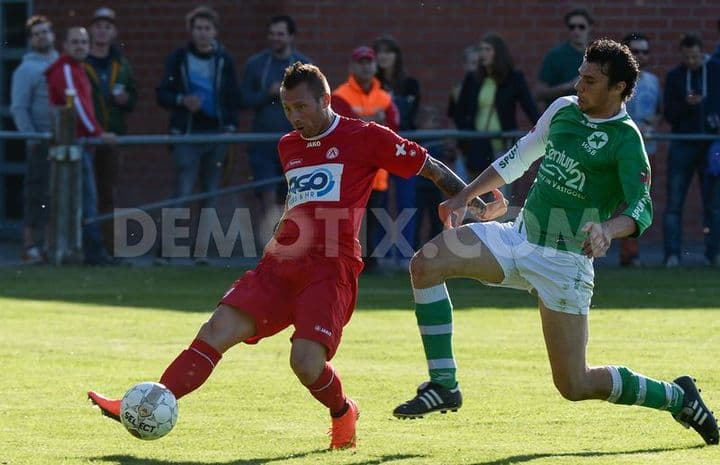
{"x": 432, "y": 34}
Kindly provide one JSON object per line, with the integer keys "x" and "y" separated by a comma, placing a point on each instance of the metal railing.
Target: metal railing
{"x": 65, "y": 242}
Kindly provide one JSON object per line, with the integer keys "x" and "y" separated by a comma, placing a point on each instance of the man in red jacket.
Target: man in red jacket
{"x": 67, "y": 77}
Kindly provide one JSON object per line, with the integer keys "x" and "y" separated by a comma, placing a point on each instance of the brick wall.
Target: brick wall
{"x": 432, "y": 34}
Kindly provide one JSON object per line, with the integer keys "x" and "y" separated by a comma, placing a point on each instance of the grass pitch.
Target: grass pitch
{"x": 63, "y": 331}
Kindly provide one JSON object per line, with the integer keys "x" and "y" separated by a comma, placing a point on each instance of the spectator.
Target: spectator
{"x": 559, "y": 68}
{"x": 692, "y": 105}
{"x": 31, "y": 113}
{"x": 114, "y": 95}
{"x": 66, "y": 77}
{"x": 471, "y": 60}
{"x": 644, "y": 107}
{"x": 199, "y": 87}
{"x": 362, "y": 96}
{"x": 260, "y": 91}
{"x": 405, "y": 91}
{"x": 716, "y": 54}
{"x": 427, "y": 194}
{"x": 488, "y": 100}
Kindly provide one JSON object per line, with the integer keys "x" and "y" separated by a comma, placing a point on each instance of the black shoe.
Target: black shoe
{"x": 430, "y": 397}
{"x": 694, "y": 412}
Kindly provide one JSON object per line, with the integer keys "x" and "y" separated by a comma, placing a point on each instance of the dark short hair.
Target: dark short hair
{"x": 204, "y": 12}
{"x": 691, "y": 40}
{"x": 289, "y": 22}
{"x": 298, "y": 72}
{"x": 616, "y": 61}
{"x": 34, "y": 21}
{"x": 634, "y": 36}
{"x": 579, "y": 12}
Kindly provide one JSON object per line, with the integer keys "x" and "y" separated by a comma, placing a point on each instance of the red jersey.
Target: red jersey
{"x": 329, "y": 181}
{"x": 68, "y": 74}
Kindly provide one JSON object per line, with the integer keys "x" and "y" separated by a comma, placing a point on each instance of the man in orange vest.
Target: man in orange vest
{"x": 363, "y": 97}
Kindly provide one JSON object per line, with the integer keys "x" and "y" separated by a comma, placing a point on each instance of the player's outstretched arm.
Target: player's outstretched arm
{"x": 443, "y": 177}
{"x": 467, "y": 196}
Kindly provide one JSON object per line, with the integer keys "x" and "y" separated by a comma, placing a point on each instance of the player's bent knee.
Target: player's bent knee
{"x": 226, "y": 327}
{"x": 306, "y": 367}
{"x": 307, "y": 360}
{"x": 572, "y": 390}
{"x": 421, "y": 267}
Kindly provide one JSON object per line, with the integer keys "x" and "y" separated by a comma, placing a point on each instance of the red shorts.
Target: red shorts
{"x": 315, "y": 294}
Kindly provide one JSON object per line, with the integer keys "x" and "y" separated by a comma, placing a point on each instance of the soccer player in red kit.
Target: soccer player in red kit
{"x": 308, "y": 275}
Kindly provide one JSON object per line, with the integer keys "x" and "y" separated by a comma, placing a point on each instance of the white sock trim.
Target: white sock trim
{"x": 332, "y": 378}
{"x": 669, "y": 395}
{"x": 431, "y": 294}
{"x": 203, "y": 356}
{"x": 435, "y": 330}
{"x": 440, "y": 363}
{"x": 616, "y": 384}
{"x": 642, "y": 390}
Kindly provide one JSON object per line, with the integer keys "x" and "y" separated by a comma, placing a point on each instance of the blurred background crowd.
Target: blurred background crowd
{"x": 205, "y": 86}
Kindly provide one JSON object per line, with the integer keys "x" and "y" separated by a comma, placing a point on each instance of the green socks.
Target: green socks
{"x": 433, "y": 311}
{"x": 629, "y": 388}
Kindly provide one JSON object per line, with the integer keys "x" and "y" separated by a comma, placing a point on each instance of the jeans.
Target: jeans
{"x": 712, "y": 240}
{"x": 93, "y": 247}
{"x": 404, "y": 199}
{"x": 36, "y": 188}
{"x": 684, "y": 160}
{"x": 428, "y": 199}
{"x": 203, "y": 161}
{"x": 193, "y": 163}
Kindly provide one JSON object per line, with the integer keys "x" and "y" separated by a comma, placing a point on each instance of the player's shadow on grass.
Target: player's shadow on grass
{"x": 530, "y": 457}
{"x": 130, "y": 460}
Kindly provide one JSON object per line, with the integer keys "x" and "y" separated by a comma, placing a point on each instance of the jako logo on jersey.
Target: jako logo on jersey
{"x": 319, "y": 183}
{"x": 333, "y": 152}
{"x": 399, "y": 150}
{"x": 313, "y": 143}
{"x": 325, "y": 331}
{"x": 595, "y": 142}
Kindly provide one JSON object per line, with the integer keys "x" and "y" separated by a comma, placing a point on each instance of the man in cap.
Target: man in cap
{"x": 363, "y": 97}
{"x": 114, "y": 95}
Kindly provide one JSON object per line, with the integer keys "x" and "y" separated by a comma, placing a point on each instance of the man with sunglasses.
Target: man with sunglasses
{"x": 644, "y": 109}
{"x": 559, "y": 68}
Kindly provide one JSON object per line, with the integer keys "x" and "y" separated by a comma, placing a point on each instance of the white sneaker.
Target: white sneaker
{"x": 673, "y": 261}
{"x": 32, "y": 256}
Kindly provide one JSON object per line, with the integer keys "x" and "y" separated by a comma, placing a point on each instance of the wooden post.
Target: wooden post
{"x": 65, "y": 216}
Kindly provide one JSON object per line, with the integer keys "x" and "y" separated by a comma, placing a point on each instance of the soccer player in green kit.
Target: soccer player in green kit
{"x": 593, "y": 161}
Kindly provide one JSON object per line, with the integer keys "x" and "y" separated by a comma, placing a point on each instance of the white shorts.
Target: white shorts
{"x": 563, "y": 280}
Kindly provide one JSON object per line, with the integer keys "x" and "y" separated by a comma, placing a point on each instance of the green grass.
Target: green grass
{"x": 63, "y": 331}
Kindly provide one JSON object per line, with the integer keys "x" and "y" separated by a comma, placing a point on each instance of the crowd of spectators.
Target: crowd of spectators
{"x": 203, "y": 91}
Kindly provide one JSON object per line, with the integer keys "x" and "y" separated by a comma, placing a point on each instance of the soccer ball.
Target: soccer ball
{"x": 148, "y": 411}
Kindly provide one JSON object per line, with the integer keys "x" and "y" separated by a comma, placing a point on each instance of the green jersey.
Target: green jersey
{"x": 590, "y": 167}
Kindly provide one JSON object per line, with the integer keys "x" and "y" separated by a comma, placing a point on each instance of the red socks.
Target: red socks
{"x": 328, "y": 390}
{"x": 191, "y": 368}
{"x": 195, "y": 364}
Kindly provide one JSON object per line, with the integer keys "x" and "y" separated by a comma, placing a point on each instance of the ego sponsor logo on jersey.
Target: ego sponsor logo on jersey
{"x": 319, "y": 183}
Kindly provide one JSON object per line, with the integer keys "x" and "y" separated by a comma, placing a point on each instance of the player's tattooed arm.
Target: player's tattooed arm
{"x": 448, "y": 182}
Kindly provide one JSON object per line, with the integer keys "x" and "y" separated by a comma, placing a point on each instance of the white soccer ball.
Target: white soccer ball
{"x": 149, "y": 411}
